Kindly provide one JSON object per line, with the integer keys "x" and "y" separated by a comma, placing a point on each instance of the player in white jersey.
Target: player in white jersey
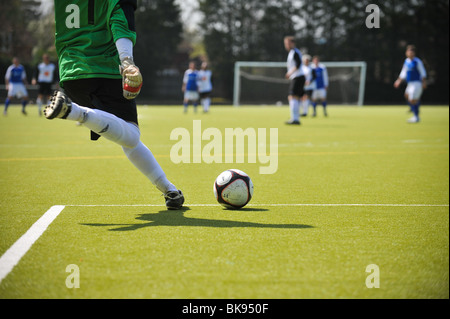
{"x": 309, "y": 84}
{"x": 297, "y": 79}
{"x": 44, "y": 76}
{"x": 16, "y": 81}
{"x": 413, "y": 72}
{"x": 205, "y": 86}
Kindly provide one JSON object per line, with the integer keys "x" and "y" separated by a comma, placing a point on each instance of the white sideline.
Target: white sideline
{"x": 269, "y": 205}
{"x": 13, "y": 255}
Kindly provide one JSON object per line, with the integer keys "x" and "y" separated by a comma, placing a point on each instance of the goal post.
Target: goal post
{"x": 264, "y": 83}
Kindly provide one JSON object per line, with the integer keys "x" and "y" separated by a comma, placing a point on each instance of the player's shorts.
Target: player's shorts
{"x": 204, "y": 95}
{"x": 414, "y": 90}
{"x": 102, "y": 94}
{"x": 45, "y": 88}
{"x": 296, "y": 86}
{"x": 308, "y": 92}
{"x": 319, "y": 94}
{"x": 191, "y": 95}
{"x": 17, "y": 90}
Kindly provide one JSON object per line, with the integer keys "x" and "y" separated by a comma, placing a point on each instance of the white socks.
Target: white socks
{"x": 294, "y": 105}
{"x": 144, "y": 160}
{"x": 206, "y": 103}
{"x": 306, "y": 106}
{"x": 128, "y": 136}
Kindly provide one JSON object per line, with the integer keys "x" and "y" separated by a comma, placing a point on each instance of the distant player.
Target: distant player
{"x": 16, "y": 81}
{"x": 296, "y": 77}
{"x": 309, "y": 84}
{"x": 44, "y": 77}
{"x": 414, "y": 73}
{"x": 320, "y": 76}
{"x": 190, "y": 87}
{"x": 205, "y": 86}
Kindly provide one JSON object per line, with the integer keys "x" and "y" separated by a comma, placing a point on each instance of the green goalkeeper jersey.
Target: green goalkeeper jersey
{"x": 86, "y": 32}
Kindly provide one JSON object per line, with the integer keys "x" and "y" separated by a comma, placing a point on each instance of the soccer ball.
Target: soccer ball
{"x": 233, "y": 189}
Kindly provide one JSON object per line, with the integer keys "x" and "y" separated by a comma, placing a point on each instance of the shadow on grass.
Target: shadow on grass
{"x": 177, "y": 218}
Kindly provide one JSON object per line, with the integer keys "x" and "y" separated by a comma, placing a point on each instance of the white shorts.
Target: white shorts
{"x": 17, "y": 89}
{"x": 414, "y": 90}
{"x": 319, "y": 94}
{"x": 191, "y": 95}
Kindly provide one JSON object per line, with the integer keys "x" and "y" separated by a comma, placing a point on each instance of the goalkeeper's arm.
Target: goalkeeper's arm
{"x": 131, "y": 76}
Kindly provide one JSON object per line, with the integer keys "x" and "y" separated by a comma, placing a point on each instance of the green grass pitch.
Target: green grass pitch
{"x": 358, "y": 188}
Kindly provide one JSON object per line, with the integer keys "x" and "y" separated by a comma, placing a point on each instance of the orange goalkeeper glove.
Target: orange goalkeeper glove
{"x": 131, "y": 79}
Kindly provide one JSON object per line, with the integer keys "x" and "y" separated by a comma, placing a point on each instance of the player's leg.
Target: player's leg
{"x": 305, "y": 103}
{"x": 39, "y": 103}
{"x": 294, "y": 107}
{"x": 415, "y": 105}
{"x": 185, "y": 105}
{"x": 116, "y": 129}
{"x": 324, "y": 104}
{"x": 414, "y": 90}
{"x": 143, "y": 159}
{"x": 103, "y": 123}
{"x": 23, "y": 94}
{"x": 207, "y": 104}
{"x": 47, "y": 101}
{"x": 11, "y": 93}
{"x": 205, "y": 101}
{"x": 195, "y": 104}
{"x": 45, "y": 91}
{"x": 7, "y": 103}
{"x": 295, "y": 93}
{"x": 195, "y": 100}
{"x": 314, "y": 105}
{"x": 291, "y": 102}
{"x": 315, "y": 97}
{"x": 125, "y": 134}
{"x": 24, "y": 104}
{"x": 407, "y": 102}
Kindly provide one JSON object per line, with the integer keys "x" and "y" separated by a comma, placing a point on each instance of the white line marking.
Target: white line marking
{"x": 13, "y": 255}
{"x": 270, "y": 205}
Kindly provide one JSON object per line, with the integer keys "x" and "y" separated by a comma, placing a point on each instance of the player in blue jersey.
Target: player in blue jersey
{"x": 415, "y": 75}
{"x": 297, "y": 79}
{"x": 190, "y": 87}
{"x": 16, "y": 80}
{"x": 320, "y": 77}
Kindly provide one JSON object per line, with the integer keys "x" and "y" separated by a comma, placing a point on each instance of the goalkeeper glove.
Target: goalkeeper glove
{"x": 131, "y": 78}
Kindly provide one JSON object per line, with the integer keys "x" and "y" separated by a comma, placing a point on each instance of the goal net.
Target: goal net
{"x": 263, "y": 83}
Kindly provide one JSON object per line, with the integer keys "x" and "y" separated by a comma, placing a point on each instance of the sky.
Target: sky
{"x": 46, "y": 5}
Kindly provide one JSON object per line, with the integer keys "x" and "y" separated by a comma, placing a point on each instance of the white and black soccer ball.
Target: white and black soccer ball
{"x": 233, "y": 189}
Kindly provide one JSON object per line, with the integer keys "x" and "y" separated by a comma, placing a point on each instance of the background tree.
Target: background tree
{"x": 159, "y": 30}
{"x": 336, "y": 30}
{"x": 246, "y": 30}
{"x": 233, "y": 30}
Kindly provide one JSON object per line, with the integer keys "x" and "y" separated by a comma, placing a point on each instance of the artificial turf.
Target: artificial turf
{"x": 356, "y": 188}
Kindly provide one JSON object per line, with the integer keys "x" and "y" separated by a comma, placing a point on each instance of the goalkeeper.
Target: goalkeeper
{"x": 94, "y": 43}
